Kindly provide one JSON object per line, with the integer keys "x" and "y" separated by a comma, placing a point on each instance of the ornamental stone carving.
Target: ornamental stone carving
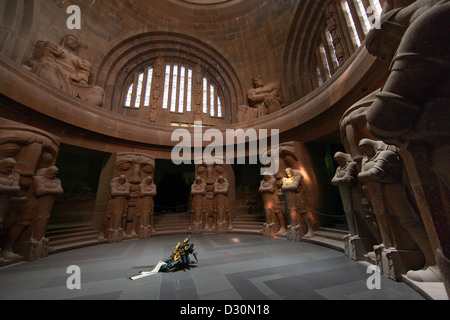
{"x": 61, "y": 67}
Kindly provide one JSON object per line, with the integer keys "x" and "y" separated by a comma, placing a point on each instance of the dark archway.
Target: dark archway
{"x": 174, "y": 186}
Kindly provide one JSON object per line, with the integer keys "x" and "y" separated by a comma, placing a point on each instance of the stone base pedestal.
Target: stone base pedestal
{"x": 197, "y": 227}
{"x": 270, "y": 230}
{"x": 222, "y": 227}
{"x": 114, "y": 235}
{"x": 394, "y": 263}
{"x": 355, "y": 247}
{"x": 33, "y": 249}
{"x": 145, "y": 232}
{"x": 444, "y": 267}
{"x": 295, "y": 233}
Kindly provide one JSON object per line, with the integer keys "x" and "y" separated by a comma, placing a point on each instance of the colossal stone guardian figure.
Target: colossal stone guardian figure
{"x": 412, "y": 109}
{"x": 263, "y": 99}
{"x": 198, "y": 219}
{"x": 146, "y": 206}
{"x": 223, "y": 218}
{"x": 400, "y": 226}
{"x": 345, "y": 179}
{"x": 117, "y": 208}
{"x": 275, "y": 222}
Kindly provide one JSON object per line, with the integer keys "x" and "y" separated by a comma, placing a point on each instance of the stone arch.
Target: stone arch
{"x": 128, "y": 55}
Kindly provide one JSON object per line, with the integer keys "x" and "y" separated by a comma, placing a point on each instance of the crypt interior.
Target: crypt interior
{"x": 126, "y": 126}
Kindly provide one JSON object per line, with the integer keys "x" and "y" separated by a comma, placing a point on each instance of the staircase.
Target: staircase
{"x": 248, "y": 224}
{"x": 169, "y": 224}
{"x": 329, "y": 237}
{"x": 71, "y": 236}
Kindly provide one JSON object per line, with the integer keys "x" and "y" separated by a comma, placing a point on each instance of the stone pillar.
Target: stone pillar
{"x": 27, "y": 212}
{"x": 119, "y": 202}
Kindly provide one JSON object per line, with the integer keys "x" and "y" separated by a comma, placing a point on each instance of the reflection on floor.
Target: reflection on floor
{"x": 231, "y": 267}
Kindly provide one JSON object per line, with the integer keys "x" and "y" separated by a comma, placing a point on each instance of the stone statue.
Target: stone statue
{"x": 117, "y": 208}
{"x": 210, "y": 173}
{"x": 275, "y": 222}
{"x": 198, "y": 192}
{"x": 147, "y": 192}
{"x": 263, "y": 99}
{"x": 290, "y": 185}
{"x": 412, "y": 109}
{"x": 9, "y": 185}
{"x": 61, "y": 66}
{"x": 46, "y": 187}
{"x": 223, "y": 218}
{"x": 399, "y": 223}
{"x": 345, "y": 179}
{"x": 31, "y": 148}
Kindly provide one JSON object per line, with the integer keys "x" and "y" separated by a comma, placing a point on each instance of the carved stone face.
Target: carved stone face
{"x": 258, "y": 82}
{"x": 32, "y": 149}
{"x": 7, "y": 165}
{"x": 210, "y": 173}
{"x": 136, "y": 167}
{"x": 71, "y": 42}
{"x": 368, "y": 147}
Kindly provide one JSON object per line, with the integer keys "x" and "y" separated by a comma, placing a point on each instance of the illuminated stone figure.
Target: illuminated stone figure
{"x": 275, "y": 222}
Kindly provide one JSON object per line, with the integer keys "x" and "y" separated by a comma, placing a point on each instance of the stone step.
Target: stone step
{"x": 71, "y": 236}
{"x": 328, "y": 237}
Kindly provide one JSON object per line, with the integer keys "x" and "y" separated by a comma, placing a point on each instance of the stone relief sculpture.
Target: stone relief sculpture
{"x": 223, "y": 218}
{"x": 210, "y": 177}
{"x": 353, "y": 127}
{"x": 145, "y": 207}
{"x": 117, "y": 209}
{"x": 263, "y": 99}
{"x": 127, "y": 172}
{"x": 411, "y": 111}
{"x": 290, "y": 187}
{"x": 198, "y": 217}
{"x": 32, "y": 150}
{"x": 9, "y": 187}
{"x": 46, "y": 187}
{"x": 61, "y": 66}
{"x": 345, "y": 179}
{"x": 275, "y": 224}
{"x": 400, "y": 225}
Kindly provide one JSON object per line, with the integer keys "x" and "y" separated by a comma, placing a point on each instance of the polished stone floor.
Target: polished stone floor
{"x": 231, "y": 267}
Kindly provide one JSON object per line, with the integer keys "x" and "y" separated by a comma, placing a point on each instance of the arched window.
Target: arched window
{"x": 341, "y": 36}
{"x": 178, "y": 91}
{"x": 138, "y": 93}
